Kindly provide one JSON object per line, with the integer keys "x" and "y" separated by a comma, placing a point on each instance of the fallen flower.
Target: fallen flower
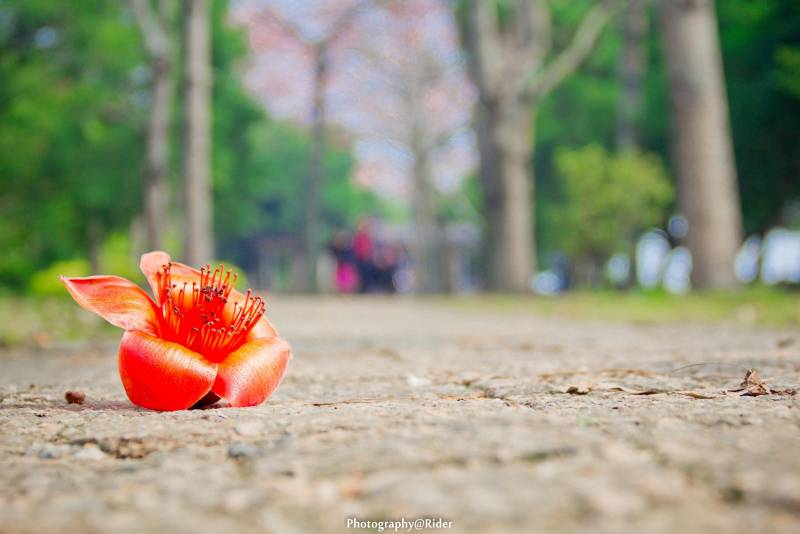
{"x": 198, "y": 342}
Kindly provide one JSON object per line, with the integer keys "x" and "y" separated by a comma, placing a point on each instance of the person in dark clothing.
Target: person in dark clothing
{"x": 386, "y": 264}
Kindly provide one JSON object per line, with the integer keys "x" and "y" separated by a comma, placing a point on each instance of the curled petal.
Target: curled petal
{"x": 161, "y": 375}
{"x": 153, "y": 262}
{"x": 250, "y": 374}
{"x": 150, "y": 264}
{"x": 117, "y": 300}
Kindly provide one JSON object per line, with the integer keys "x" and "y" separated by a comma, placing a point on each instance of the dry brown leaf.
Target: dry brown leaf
{"x": 784, "y": 391}
{"x": 752, "y": 385}
{"x": 697, "y": 395}
{"x": 630, "y": 391}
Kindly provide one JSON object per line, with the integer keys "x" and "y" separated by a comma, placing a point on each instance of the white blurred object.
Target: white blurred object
{"x": 746, "y": 263}
{"x": 618, "y": 268}
{"x": 547, "y": 283}
{"x": 678, "y": 271}
{"x": 418, "y": 381}
{"x": 678, "y": 226}
{"x": 651, "y": 253}
{"x": 781, "y": 257}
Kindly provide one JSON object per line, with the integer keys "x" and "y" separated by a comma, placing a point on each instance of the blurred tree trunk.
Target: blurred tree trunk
{"x": 708, "y": 192}
{"x": 316, "y": 171}
{"x": 154, "y": 29}
{"x": 632, "y": 69}
{"x": 508, "y": 64}
{"x": 428, "y": 239}
{"x": 428, "y": 243}
{"x": 505, "y": 142}
{"x": 198, "y": 233}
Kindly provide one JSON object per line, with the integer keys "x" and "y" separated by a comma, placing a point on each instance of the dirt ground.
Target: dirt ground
{"x": 421, "y": 409}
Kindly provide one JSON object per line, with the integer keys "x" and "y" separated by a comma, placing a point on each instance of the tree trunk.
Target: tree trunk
{"x": 708, "y": 192}
{"x": 507, "y": 62}
{"x": 316, "y": 174}
{"x": 199, "y": 239}
{"x": 505, "y": 141}
{"x": 154, "y": 27}
{"x": 157, "y": 154}
{"x": 427, "y": 234}
{"x": 632, "y": 68}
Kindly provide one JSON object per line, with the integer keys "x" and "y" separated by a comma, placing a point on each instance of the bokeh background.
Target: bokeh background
{"x": 634, "y": 158}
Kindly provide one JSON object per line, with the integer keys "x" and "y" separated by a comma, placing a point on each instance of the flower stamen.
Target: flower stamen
{"x": 194, "y": 315}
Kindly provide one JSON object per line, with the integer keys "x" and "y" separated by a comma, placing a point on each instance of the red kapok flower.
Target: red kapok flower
{"x": 198, "y": 342}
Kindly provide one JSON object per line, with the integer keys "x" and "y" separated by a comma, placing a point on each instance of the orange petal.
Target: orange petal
{"x": 152, "y": 262}
{"x": 263, "y": 329}
{"x": 250, "y": 374}
{"x": 117, "y": 300}
{"x": 161, "y": 375}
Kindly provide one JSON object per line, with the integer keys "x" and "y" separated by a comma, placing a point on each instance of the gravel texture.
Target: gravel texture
{"x": 499, "y": 421}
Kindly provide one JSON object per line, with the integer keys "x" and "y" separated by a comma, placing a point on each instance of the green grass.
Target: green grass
{"x": 47, "y": 320}
{"x": 761, "y": 306}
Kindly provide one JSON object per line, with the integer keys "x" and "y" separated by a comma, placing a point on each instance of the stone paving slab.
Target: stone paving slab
{"x": 411, "y": 408}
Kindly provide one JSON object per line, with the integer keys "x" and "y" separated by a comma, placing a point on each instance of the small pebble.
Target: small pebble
{"x": 47, "y": 451}
{"x": 242, "y": 450}
{"x": 418, "y": 381}
{"x": 89, "y": 451}
{"x": 75, "y": 397}
{"x": 249, "y": 428}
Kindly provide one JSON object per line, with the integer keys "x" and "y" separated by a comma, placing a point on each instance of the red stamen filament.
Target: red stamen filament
{"x": 194, "y": 315}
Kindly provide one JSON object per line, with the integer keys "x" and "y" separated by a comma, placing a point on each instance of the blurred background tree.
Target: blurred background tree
{"x": 80, "y": 149}
{"x": 509, "y": 45}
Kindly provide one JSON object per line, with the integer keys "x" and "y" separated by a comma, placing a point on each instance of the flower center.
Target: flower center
{"x": 201, "y": 316}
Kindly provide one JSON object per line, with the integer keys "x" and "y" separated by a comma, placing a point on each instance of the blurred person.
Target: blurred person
{"x": 385, "y": 266}
{"x": 363, "y": 248}
{"x": 346, "y": 278}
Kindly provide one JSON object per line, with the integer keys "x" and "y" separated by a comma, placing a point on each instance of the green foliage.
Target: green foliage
{"x": 47, "y": 282}
{"x": 73, "y": 109}
{"x": 787, "y": 73}
{"x": 68, "y": 130}
{"x": 608, "y": 199}
{"x": 761, "y": 46}
{"x": 117, "y": 257}
{"x": 582, "y": 110}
